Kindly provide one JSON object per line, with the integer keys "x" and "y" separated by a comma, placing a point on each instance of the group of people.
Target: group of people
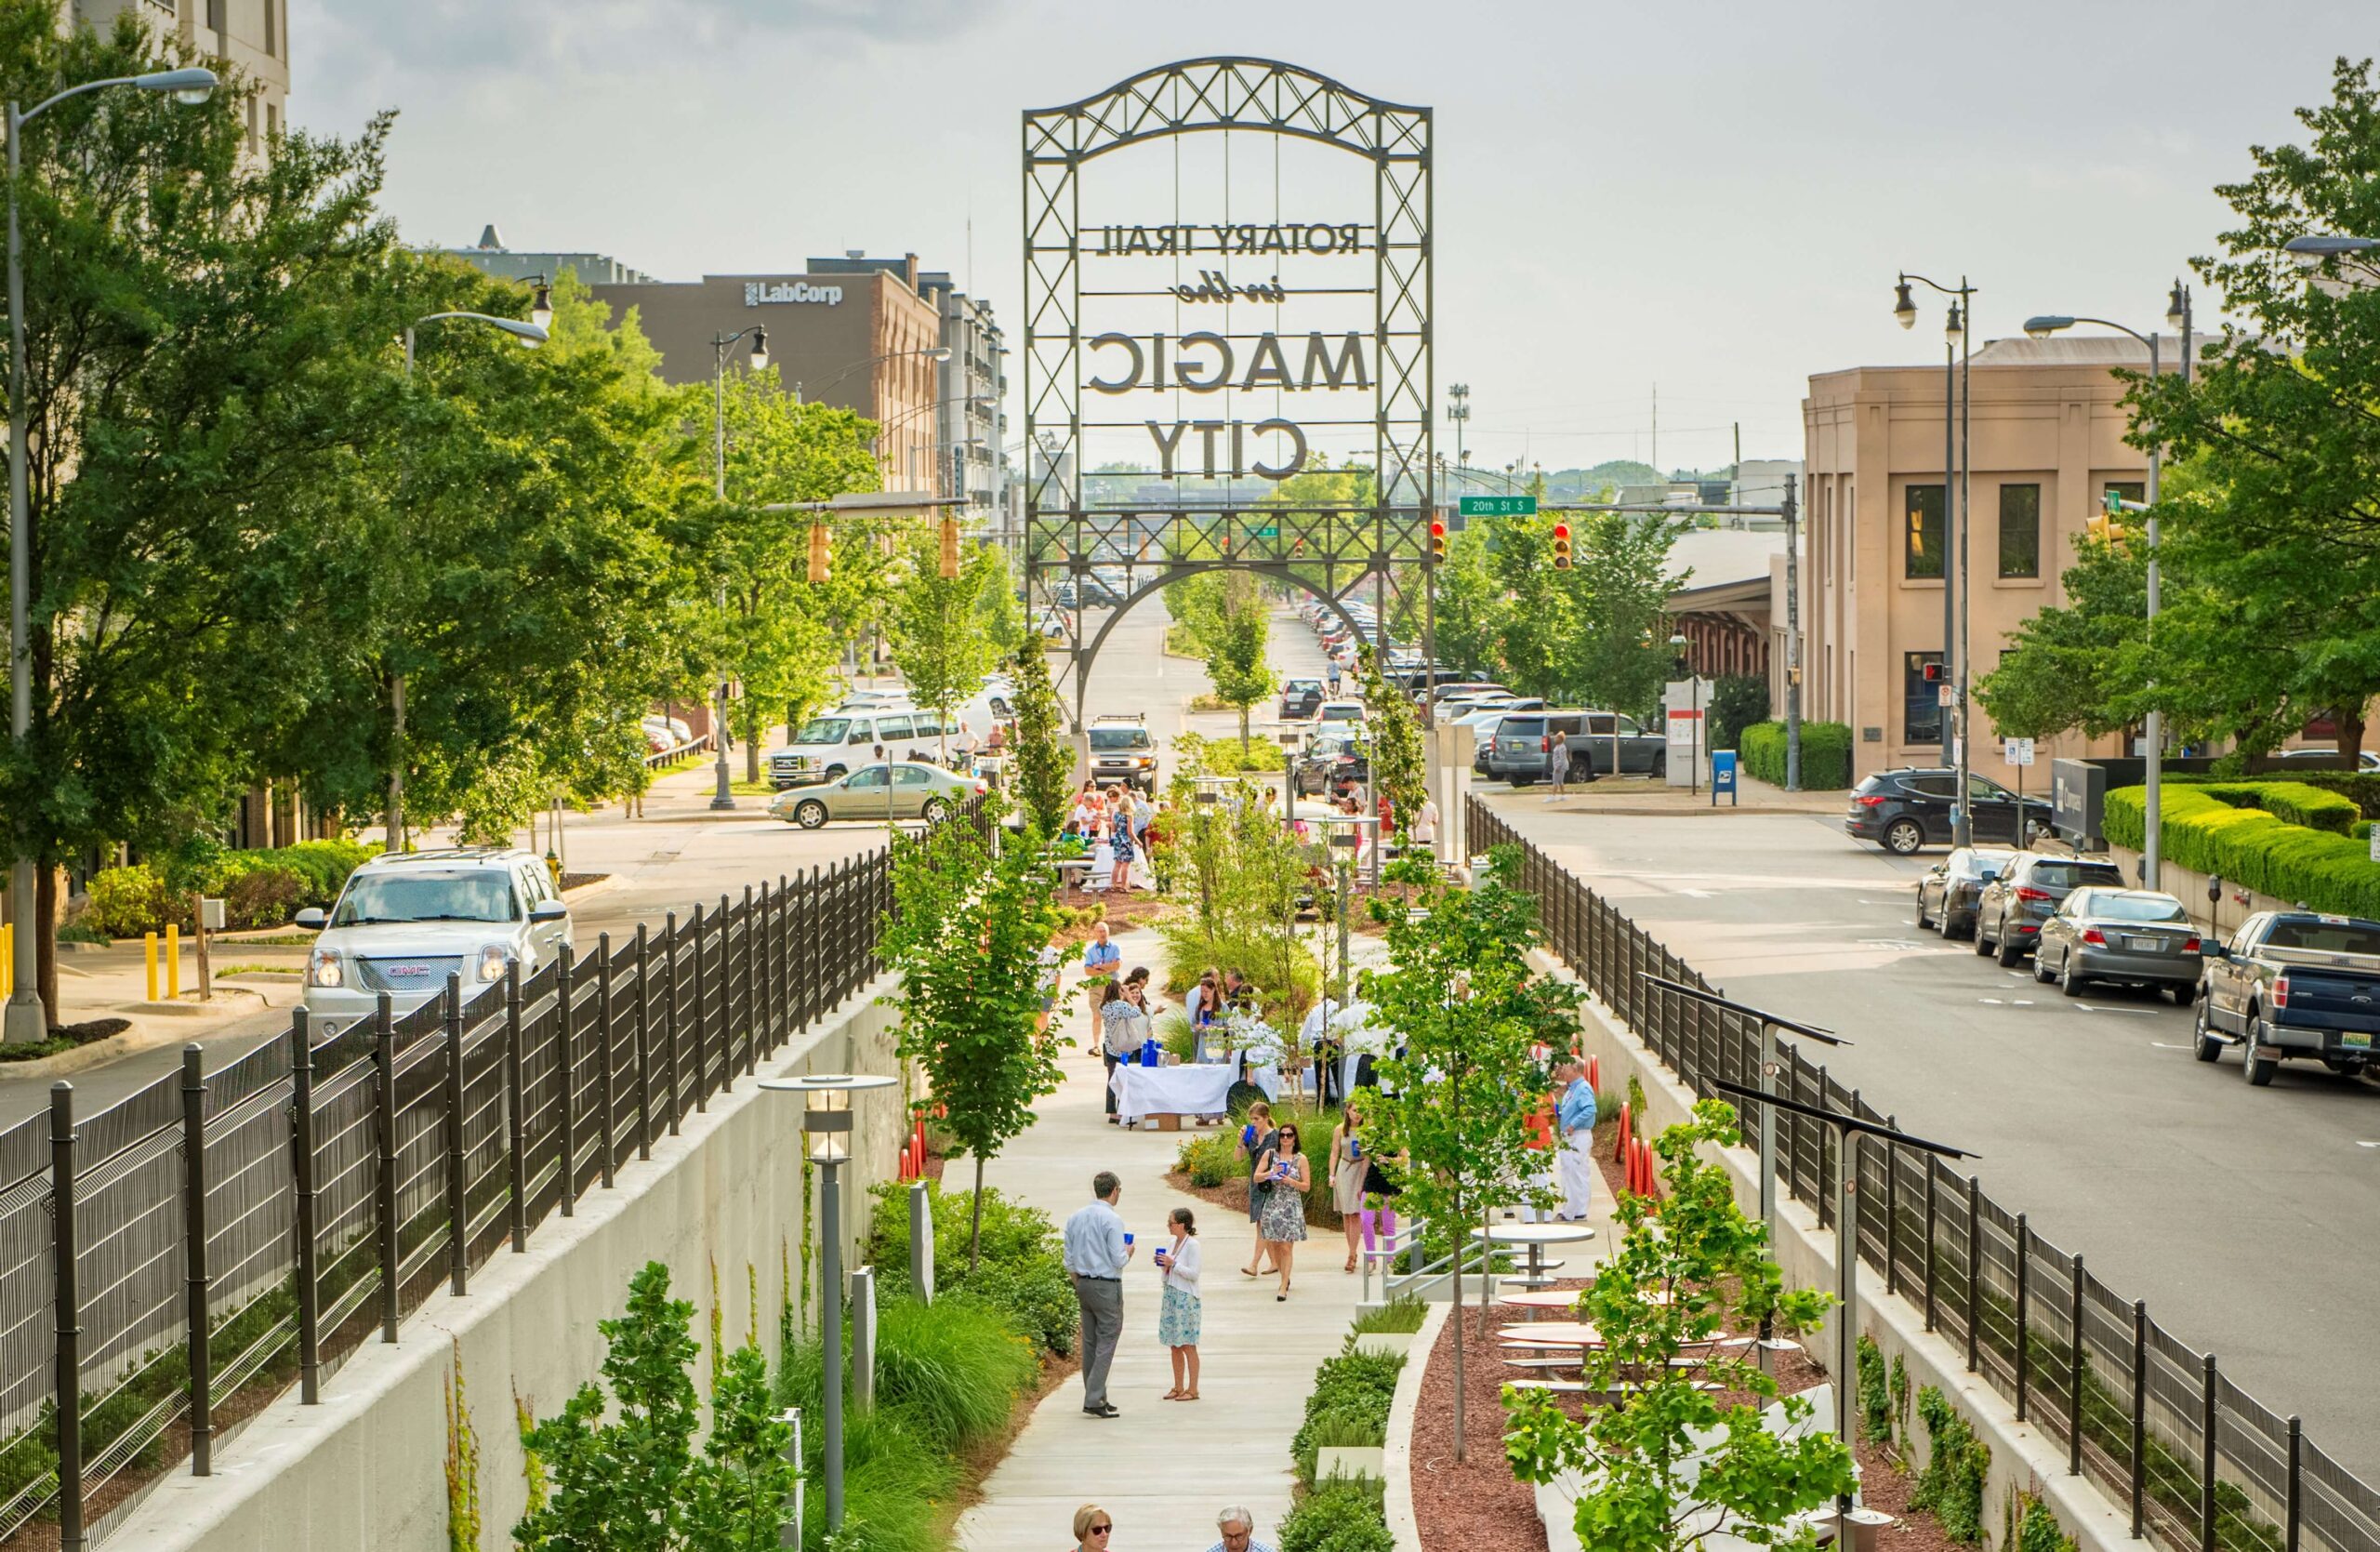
{"x": 1124, "y": 1017}
{"x": 1114, "y": 822}
{"x": 1098, "y": 1249}
{"x": 1236, "y": 1529}
{"x": 1279, "y": 1179}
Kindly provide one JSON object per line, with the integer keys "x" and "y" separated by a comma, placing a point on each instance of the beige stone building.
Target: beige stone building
{"x": 2046, "y": 439}
{"x": 252, "y": 36}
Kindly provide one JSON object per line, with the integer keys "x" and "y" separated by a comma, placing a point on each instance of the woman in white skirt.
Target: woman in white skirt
{"x": 1177, "y": 1315}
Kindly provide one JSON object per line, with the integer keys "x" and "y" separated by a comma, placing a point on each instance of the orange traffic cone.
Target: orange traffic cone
{"x": 1595, "y": 1073}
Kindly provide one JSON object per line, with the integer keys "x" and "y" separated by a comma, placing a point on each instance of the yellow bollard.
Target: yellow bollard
{"x": 7, "y": 959}
{"x": 151, "y": 940}
{"x": 173, "y": 962}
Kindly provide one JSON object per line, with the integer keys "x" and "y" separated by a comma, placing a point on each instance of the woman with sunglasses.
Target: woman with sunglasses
{"x": 1093, "y": 1527}
{"x": 1284, "y": 1177}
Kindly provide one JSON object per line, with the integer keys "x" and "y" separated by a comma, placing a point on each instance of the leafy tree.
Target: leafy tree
{"x": 1002, "y": 610}
{"x": 1394, "y": 734}
{"x": 1613, "y": 651}
{"x": 1044, "y": 766}
{"x": 1228, "y": 617}
{"x": 938, "y": 626}
{"x": 1532, "y": 624}
{"x": 1713, "y": 1265}
{"x": 1470, "y": 604}
{"x": 967, "y": 935}
{"x": 1737, "y": 700}
{"x": 1462, "y": 1003}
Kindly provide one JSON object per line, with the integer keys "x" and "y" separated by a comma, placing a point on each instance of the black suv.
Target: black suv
{"x": 1908, "y": 808}
{"x": 1300, "y": 699}
{"x": 2009, "y": 913}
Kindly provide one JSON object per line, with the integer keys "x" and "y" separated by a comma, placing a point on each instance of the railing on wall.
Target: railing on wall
{"x": 2196, "y": 1462}
{"x": 260, "y": 1221}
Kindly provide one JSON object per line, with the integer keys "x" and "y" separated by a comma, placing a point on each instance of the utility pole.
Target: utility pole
{"x": 1793, "y": 639}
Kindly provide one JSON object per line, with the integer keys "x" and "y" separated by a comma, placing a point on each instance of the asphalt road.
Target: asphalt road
{"x": 2241, "y": 1215}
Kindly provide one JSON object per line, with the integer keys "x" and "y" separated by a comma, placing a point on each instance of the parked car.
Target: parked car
{"x": 1640, "y": 750}
{"x": 2010, "y": 911}
{"x": 1340, "y": 715}
{"x": 2292, "y": 983}
{"x": 1122, "y": 752}
{"x": 2365, "y": 759}
{"x": 1462, "y": 689}
{"x": 1300, "y": 700}
{"x": 1329, "y": 760}
{"x": 403, "y": 924}
{"x": 1947, "y": 891}
{"x": 1906, "y": 809}
{"x": 2132, "y": 937}
{"x": 916, "y": 792}
{"x": 828, "y": 747}
{"x": 1522, "y": 750}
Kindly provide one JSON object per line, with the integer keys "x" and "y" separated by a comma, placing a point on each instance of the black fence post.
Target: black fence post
{"x": 384, "y": 1184}
{"x": 2139, "y": 1408}
{"x": 2207, "y": 1462}
{"x": 516, "y": 1140}
{"x": 754, "y": 1004}
{"x": 2078, "y": 1365}
{"x": 643, "y": 1046}
{"x": 68, "y": 1308}
{"x": 2291, "y": 1514}
{"x": 813, "y": 914}
{"x": 669, "y": 1017}
{"x": 194, "y": 1277}
{"x": 1892, "y": 1210}
{"x": 566, "y": 1074}
{"x": 1975, "y": 1271}
{"x": 2024, "y": 1310}
{"x": 458, "y": 1220}
{"x": 725, "y": 1031}
{"x": 301, "y": 1157}
{"x": 605, "y": 1044}
{"x": 1930, "y": 1218}
{"x": 701, "y": 1044}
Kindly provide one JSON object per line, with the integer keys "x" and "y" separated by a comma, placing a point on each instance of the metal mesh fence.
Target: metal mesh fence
{"x": 2196, "y": 1462}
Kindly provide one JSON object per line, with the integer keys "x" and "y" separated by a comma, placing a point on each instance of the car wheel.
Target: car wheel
{"x": 2256, "y": 1068}
{"x": 2181, "y": 993}
{"x": 1922, "y": 921}
{"x": 2043, "y": 973}
{"x": 2012, "y": 948}
{"x": 2205, "y": 1044}
{"x": 1982, "y": 944}
{"x": 1902, "y": 837}
{"x": 2068, "y": 981}
{"x": 1660, "y": 767}
{"x": 935, "y": 811}
{"x": 810, "y": 814}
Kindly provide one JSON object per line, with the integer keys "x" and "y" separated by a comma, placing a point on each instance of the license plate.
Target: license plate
{"x": 2356, "y": 1041}
{"x": 2145, "y": 945}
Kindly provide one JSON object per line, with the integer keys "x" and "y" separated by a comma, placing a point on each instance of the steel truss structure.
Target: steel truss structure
{"x": 1063, "y": 536}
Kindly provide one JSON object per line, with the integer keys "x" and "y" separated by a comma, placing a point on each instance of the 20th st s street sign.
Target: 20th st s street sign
{"x": 1499, "y": 506}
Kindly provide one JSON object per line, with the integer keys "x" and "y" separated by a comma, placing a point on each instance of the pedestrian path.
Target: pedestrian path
{"x": 1163, "y": 1469}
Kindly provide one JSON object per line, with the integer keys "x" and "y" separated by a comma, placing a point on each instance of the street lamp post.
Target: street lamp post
{"x": 724, "y": 797}
{"x": 2178, "y": 314}
{"x": 25, "y": 1019}
{"x": 1958, "y": 341}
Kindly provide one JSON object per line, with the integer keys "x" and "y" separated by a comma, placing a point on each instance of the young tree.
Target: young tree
{"x": 937, "y": 627}
{"x": 1044, "y": 766}
{"x": 1462, "y": 1001}
{"x": 967, "y": 935}
{"x": 1393, "y": 734}
{"x": 1613, "y": 650}
{"x": 1713, "y": 1265}
{"x": 1228, "y": 620}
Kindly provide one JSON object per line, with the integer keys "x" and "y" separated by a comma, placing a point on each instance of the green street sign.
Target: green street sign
{"x": 1268, "y": 533}
{"x": 1499, "y": 506}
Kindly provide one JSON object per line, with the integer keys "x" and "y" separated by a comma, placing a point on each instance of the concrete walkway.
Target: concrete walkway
{"x": 1164, "y": 1469}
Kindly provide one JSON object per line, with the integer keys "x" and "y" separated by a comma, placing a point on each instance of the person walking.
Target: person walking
{"x": 1349, "y": 1169}
{"x": 1094, "y": 1525}
{"x": 1097, "y": 1250}
{"x": 1284, "y": 1177}
{"x": 1256, "y": 1139}
{"x": 1177, "y": 1316}
{"x": 1574, "y": 1117}
{"x": 1101, "y": 962}
{"x": 1237, "y": 1526}
{"x": 1558, "y": 762}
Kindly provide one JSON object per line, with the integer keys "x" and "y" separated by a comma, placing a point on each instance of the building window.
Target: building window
{"x": 1921, "y": 702}
{"x": 271, "y": 29}
{"x": 215, "y": 14}
{"x": 1921, "y": 533}
{"x": 2020, "y": 530}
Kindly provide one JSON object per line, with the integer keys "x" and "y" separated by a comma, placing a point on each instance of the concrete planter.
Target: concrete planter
{"x": 1347, "y": 1460}
{"x": 1397, "y": 1342}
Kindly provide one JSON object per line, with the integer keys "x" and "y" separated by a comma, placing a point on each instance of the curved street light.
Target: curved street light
{"x": 25, "y": 1019}
{"x": 1956, "y": 379}
{"x": 939, "y": 352}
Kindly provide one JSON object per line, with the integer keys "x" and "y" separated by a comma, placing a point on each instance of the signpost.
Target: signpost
{"x": 2019, "y": 753}
{"x": 1499, "y": 506}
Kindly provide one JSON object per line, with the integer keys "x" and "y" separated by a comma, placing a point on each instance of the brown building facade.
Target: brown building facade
{"x": 2046, "y": 438}
{"x": 860, "y": 340}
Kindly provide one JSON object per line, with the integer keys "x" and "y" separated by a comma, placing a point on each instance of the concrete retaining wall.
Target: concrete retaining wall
{"x": 366, "y": 1466}
{"x": 2023, "y": 1457}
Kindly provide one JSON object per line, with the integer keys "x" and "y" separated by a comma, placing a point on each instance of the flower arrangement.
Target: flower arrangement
{"x": 1257, "y": 1041}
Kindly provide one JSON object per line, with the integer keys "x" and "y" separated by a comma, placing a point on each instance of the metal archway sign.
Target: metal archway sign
{"x": 1190, "y": 344}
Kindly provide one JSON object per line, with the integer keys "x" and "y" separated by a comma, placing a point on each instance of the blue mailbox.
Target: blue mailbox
{"x": 1723, "y": 776}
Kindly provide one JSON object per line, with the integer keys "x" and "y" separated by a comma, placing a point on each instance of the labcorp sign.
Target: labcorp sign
{"x": 761, "y": 293}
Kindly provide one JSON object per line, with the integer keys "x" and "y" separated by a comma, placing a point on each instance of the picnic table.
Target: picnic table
{"x": 1536, "y": 1236}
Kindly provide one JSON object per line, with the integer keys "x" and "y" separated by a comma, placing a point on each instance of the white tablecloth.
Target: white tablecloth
{"x": 1185, "y": 1090}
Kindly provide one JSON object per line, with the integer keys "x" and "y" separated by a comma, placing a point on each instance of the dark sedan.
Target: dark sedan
{"x": 2132, "y": 937}
{"x": 1332, "y": 759}
{"x": 1906, "y": 809}
{"x": 2009, "y": 917}
{"x": 1947, "y": 891}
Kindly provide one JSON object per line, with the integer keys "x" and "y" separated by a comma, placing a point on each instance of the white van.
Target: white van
{"x": 833, "y": 745}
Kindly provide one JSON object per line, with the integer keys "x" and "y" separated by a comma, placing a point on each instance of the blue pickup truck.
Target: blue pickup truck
{"x": 2293, "y": 983}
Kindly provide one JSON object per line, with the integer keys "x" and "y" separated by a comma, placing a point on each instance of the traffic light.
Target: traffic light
{"x": 1933, "y": 674}
{"x": 822, "y": 553}
{"x": 1561, "y": 547}
{"x": 1438, "y": 541}
{"x": 2107, "y": 522}
{"x": 950, "y": 547}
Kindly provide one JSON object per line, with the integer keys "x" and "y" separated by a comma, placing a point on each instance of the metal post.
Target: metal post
{"x": 701, "y": 1051}
{"x": 384, "y": 1185}
{"x": 2024, "y": 1308}
{"x": 725, "y": 967}
{"x": 753, "y": 1002}
{"x": 2140, "y": 1408}
{"x": 1769, "y": 1043}
{"x": 1847, "y": 1292}
{"x": 2207, "y": 1462}
{"x": 2077, "y": 1368}
{"x": 605, "y": 1044}
{"x": 301, "y": 1157}
{"x": 921, "y": 1241}
{"x": 1974, "y": 1270}
{"x": 1892, "y": 1210}
{"x": 68, "y": 1296}
{"x": 1930, "y": 1171}
{"x": 789, "y": 1526}
{"x": 25, "y": 1019}
{"x": 831, "y": 1278}
{"x": 643, "y": 1047}
{"x": 670, "y": 1017}
{"x": 1793, "y": 639}
{"x": 1962, "y": 831}
{"x": 566, "y": 1066}
{"x": 2296, "y": 1500}
{"x": 459, "y": 1222}
{"x": 1949, "y": 473}
{"x": 194, "y": 1275}
{"x": 2151, "y": 842}
{"x": 516, "y": 1142}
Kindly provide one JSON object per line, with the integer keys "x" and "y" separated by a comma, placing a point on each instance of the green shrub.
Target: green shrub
{"x": 1224, "y": 757}
{"x": 1956, "y": 1464}
{"x": 1402, "y": 1315}
{"x": 1342, "y": 1513}
{"x": 2250, "y": 846}
{"x": 2293, "y": 803}
{"x": 1826, "y": 754}
{"x": 1210, "y": 1157}
{"x": 2361, "y": 831}
{"x": 895, "y": 1480}
{"x": 1736, "y": 702}
{"x": 1020, "y": 1270}
{"x": 263, "y": 897}
{"x": 956, "y": 1367}
{"x": 1175, "y": 1037}
{"x": 1875, "y": 1400}
{"x": 2360, "y": 787}
{"x": 2032, "y": 1528}
{"x": 125, "y": 902}
{"x": 1357, "y": 1417}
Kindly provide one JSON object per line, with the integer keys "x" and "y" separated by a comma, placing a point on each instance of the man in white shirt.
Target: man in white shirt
{"x": 1096, "y": 1255}
{"x": 1238, "y": 1528}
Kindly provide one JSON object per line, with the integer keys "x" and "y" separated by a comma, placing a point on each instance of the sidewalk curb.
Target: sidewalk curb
{"x": 131, "y": 1042}
{"x": 1404, "y": 1526}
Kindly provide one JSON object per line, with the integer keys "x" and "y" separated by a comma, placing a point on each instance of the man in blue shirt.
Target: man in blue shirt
{"x": 1101, "y": 961}
{"x": 1574, "y": 1117}
{"x": 1238, "y": 1528}
{"x": 1096, "y": 1255}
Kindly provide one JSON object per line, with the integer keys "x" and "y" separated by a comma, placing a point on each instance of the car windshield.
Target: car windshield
{"x": 479, "y": 895}
{"x": 2328, "y": 937}
{"x": 1980, "y": 865}
{"x": 2073, "y": 875}
{"x": 2135, "y": 907}
{"x": 1119, "y": 737}
{"x": 823, "y": 730}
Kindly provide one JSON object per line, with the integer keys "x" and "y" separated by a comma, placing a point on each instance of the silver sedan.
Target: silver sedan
{"x": 914, "y": 791}
{"x": 2136, "y": 937}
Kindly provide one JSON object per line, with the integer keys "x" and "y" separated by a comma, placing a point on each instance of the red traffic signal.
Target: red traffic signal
{"x": 1561, "y": 547}
{"x": 1933, "y": 674}
{"x": 1437, "y": 539}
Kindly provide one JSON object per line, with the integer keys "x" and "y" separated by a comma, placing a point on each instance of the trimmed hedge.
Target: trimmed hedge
{"x": 2361, "y": 788}
{"x": 1826, "y": 754}
{"x": 2291, "y": 801}
{"x": 262, "y": 888}
{"x": 2326, "y": 869}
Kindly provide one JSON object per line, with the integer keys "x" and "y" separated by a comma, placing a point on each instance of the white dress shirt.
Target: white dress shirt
{"x": 1094, "y": 1239}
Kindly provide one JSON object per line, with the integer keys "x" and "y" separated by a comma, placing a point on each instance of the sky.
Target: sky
{"x": 1706, "y": 198}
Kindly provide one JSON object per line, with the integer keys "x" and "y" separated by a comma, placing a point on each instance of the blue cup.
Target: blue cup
{"x": 1128, "y": 1238}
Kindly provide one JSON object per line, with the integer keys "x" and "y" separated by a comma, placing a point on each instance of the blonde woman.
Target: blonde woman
{"x": 1348, "y": 1168}
{"x": 1092, "y": 1528}
{"x": 1285, "y": 1176}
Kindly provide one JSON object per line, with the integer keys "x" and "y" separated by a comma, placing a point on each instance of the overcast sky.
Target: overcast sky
{"x": 1710, "y": 197}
